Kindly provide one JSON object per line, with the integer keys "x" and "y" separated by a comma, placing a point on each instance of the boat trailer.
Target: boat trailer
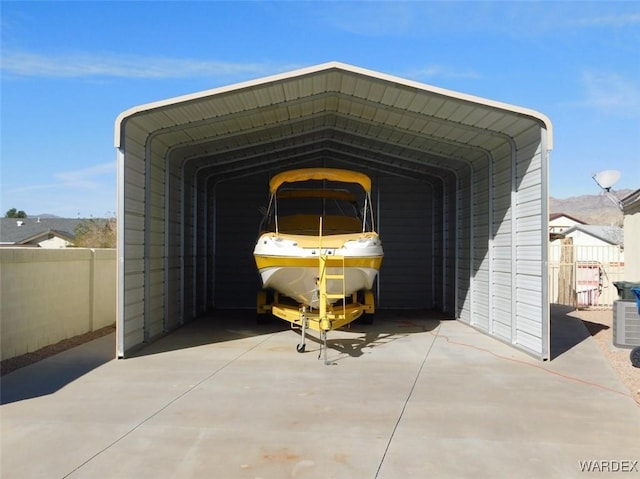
{"x": 335, "y": 309}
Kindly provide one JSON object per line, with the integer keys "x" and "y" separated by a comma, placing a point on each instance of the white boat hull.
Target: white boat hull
{"x": 290, "y": 265}
{"x": 301, "y": 284}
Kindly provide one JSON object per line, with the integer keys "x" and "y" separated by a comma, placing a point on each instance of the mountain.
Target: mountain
{"x": 592, "y": 209}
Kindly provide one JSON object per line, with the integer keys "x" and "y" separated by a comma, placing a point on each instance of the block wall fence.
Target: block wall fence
{"x": 48, "y": 295}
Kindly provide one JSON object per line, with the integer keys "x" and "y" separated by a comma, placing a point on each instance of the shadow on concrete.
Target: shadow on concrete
{"x": 594, "y": 328}
{"x": 53, "y": 373}
{"x": 229, "y": 325}
{"x": 387, "y": 327}
{"x": 218, "y": 327}
{"x": 566, "y": 331}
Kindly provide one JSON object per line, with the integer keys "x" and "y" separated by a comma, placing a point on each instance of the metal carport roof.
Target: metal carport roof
{"x": 487, "y": 162}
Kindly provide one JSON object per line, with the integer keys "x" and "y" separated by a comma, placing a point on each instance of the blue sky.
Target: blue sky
{"x": 69, "y": 68}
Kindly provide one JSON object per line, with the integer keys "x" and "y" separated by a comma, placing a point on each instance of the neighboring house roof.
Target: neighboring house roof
{"x": 25, "y": 230}
{"x": 609, "y": 234}
{"x": 555, "y": 216}
{"x": 45, "y": 235}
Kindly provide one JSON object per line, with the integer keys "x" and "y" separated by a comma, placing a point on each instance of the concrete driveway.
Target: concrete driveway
{"x": 413, "y": 395}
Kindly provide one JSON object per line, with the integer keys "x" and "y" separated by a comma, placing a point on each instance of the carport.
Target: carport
{"x": 460, "y": 190}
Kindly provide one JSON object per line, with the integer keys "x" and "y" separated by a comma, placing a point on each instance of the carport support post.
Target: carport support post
{"x": 514, "y": 242}
{"x": 445, "y": 211}
{"x": 147, "y": 242}
{"x": 194, "y": 248}
{"x": 456, "y": 253}
{"x": 120, "y": 253}
{"x": 472, "y": 232}
{"x": 167, "y": 225}
{"x": 546, "y": 307}
{"x": 182, "y": 239}
{"x": 490, "y": 252}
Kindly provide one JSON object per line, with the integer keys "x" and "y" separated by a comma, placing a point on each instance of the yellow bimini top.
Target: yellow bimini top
{"x": 329, "y": 174}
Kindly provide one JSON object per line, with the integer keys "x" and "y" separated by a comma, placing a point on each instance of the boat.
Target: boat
{"x": 318, "y": 253}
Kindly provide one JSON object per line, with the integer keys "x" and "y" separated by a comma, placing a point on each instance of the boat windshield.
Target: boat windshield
{"x": 298, "y": 211}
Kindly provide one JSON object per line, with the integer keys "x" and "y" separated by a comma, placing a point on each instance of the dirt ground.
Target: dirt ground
{"x": 600, "y": 326}
{"x": 598, "y": 323}
{"x": 11, "y": 364}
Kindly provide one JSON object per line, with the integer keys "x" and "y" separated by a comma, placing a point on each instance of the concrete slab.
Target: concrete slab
{"x": 413, "y": 395}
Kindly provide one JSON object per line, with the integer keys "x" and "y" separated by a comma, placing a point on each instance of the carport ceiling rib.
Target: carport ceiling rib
{"x": 394, "y": 120}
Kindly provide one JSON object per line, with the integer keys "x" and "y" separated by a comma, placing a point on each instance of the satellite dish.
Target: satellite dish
{"x": 607, "y": 178}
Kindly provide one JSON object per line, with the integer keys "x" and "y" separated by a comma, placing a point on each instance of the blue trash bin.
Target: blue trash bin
{"x": 636, "y": 291}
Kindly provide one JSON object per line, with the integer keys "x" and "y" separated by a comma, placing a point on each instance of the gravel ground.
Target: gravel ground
{"x": 598, "y": 323}
{"x": 11, "y": 364}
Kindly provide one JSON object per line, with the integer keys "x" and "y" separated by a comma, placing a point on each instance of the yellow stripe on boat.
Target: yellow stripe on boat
{"x": 263, "y": 262}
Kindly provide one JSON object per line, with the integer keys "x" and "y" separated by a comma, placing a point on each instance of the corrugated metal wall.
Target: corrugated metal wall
{"x": 237, "y": 216}
{"x": 532, "y": 241}
{"x": 131, "y": 267}
{"x": 405, "y": 222}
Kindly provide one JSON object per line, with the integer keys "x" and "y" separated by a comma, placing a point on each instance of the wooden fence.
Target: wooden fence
{"x": 582, "y": 276}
